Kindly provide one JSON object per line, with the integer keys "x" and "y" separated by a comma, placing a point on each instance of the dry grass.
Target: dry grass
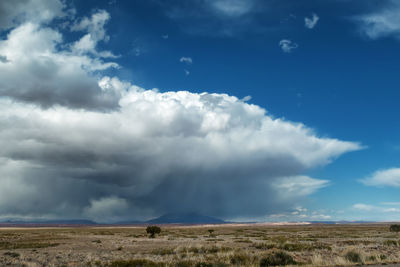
{"x": 306, "y": 245}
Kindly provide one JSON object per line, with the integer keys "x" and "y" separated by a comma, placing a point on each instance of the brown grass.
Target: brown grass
{"x": 247, "y": 245}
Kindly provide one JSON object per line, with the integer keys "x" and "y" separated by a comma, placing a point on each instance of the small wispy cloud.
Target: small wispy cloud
{"x": 187, "y": 73}
{"x": 391, "y": 203}
{"x": 382, "y": 23}
{"x": 310, "y": 23}
{"x": 246, "y": 98}
{"x": 300, "y": 213}
{"x": 232, "y": 8}
{"x": 165, "y": 36}
{"x": 374, "y": 208}
{"x": 363, "y": 207}
{"x": 287, "y": 45}
{"x": 187, "y": 60}
{"x": 388, "y": 177}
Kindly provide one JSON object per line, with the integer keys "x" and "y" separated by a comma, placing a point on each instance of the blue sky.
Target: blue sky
{"x": 330, "y": 65}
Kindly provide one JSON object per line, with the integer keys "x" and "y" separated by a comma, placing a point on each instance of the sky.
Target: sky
{"x": 246, "y": 110}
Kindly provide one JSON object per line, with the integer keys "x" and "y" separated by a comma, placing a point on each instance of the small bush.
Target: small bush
{"x": 395, "y": 228}
{"x": 206, "y": 264}
{"x": 240, "y": 259}
{"x": 153, "y": 230}
{"x": 184, "y": 264}
{"x": 391, "y": 243}
{"x": 353, "y": 256}
{"x": 264, "y": 246}
{"x": 135, "y": 263}
{"x": 12, "y": 254}
{"x": 164, "y": 251}
{"x": 276, "y": 259}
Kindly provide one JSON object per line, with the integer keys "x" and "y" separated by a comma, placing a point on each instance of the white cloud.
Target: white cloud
{"x": 310, "y": 23}
{"x": 95, "y": 33}
{"x": 106, "y": 209}
{"x": 39, "y": 71}
{"x": 374, "y": 208}
{"x": 246, "y": 98}
{"x": 299, "y": 185}
{"x": 233, "y": 8}
{"x": 388, "y": 177}
{"x": 300, "y": 213}
{"x": 363, "y": 207}
{"x": 187, "y": 73}
{"x": 148, "y": 158}
{"x": 15, "y": 12}
{"x": 287, "y": 45}
{"x": 187, "y": 60}
{"x": 391, "y": 203}
{"x": 382, "y": 23}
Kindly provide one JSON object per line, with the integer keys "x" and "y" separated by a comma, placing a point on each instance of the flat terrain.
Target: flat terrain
{"x": 245, "y": 245}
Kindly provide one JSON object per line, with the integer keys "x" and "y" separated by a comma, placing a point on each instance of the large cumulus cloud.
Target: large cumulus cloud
{"x": 77, "y": 144}
{"x": 160, "y": 152}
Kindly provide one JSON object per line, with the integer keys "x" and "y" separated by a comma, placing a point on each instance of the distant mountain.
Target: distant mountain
{"x": 67, "y": 222}
{"x": 341, "y": 222}
{"x": 185, "y": 218}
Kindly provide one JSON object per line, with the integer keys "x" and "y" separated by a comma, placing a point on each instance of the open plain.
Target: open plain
{"x": 211, "y": 245}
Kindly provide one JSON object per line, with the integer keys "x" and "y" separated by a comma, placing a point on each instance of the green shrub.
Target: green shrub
{"x": 240, "y": 259}
{"x": 135, "y": 263}
{"x": 184, "y": 264}
{"x": 12, "y": 254}
{"x": 163, "y": 251}
{"x": 153, "y": 230}
{"x": 264, "y": 246}
{"x": 353, "y": 256}
{"x": 395, "y": 228}
{"x": 206, "y": 264}
{"x": 391, "y": 243}
{"x": 276, "y": 259}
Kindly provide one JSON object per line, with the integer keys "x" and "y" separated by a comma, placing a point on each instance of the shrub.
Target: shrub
{"x": 12, "y": 254}
{"x": 153, "y": 230}
{"x": 184, "y": 264}
{"x": 135, "y": 263}
{"x": 395, "y": 228}
{"x": 240, "y": 259}
{"x": 277, "y": 258}
{"x": 391, "y": 243}
{"x": 353, "y": 256}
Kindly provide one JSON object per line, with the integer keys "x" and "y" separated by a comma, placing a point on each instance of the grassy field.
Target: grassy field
{"x": 250, "y": 245}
